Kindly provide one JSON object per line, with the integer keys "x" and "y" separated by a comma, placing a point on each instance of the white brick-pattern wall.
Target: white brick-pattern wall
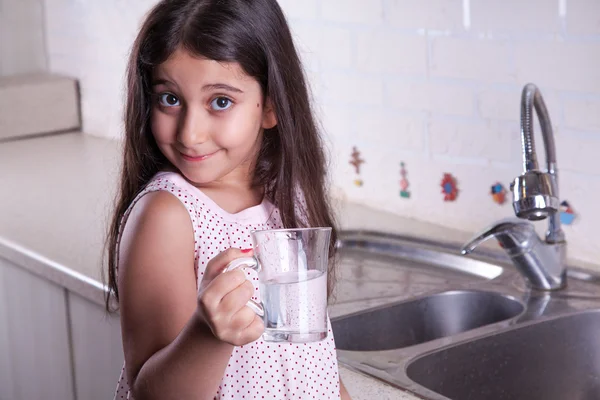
{"x": 22, "y": 46}
{"x": 433, "y": 83}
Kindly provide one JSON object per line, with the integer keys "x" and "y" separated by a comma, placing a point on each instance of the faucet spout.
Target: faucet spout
{"x": 539, "y": 263}
{"x": 513, "y": 235}
{"x": 535, "y": 197}
{"x": 530, "y": 98}
{"x": 535, "y": 192}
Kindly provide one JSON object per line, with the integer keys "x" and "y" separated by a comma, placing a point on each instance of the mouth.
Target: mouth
{"x": 196, "y": 158}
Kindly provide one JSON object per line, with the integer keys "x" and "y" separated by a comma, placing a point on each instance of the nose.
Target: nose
{"x": 193, "y": 128}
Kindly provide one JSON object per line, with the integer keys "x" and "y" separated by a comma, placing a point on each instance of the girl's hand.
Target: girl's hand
{"x": 222, "y": 301}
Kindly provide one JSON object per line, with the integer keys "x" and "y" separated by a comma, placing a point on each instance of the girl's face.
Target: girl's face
{"x": 208, "y": 118}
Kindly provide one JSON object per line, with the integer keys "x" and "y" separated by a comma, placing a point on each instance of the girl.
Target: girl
{"x": 220, "y": 140}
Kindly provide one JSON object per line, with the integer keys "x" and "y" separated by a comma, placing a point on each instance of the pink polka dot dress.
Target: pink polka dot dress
{"x": 258, "y": 370}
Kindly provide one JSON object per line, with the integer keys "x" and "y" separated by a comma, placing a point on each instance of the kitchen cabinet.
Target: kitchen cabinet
{"x": 54, "y": 344}
{"x": 97, "y": 349}
{"x": 6, "y": 374}
{"x": 34, "y": 337}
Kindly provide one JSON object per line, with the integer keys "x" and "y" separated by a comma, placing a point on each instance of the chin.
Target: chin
{"x": 197, "y": 177}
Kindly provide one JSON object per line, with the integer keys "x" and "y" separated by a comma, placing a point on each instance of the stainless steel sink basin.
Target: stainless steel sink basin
{"x": 377, "y": 269}
{"x": 556, "y": 359}
{"x": 418, "y": 316}
{"x": 424, "y": 319}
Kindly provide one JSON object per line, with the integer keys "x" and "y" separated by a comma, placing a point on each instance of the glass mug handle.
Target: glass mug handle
{"x": 249, "y": 262}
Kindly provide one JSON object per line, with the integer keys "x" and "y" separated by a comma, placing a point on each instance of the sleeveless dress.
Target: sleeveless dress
{"x": 258, "y": 370}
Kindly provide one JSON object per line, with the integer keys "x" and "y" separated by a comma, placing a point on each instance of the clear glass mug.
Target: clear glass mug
{"x": 292, "y": 273}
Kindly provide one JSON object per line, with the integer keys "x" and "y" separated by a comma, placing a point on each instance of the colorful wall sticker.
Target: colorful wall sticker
{"x": 449, "y": 187}
{"x": 356, "y": 162}
{"x": 499, "y": 193}
{"x": 404, "y": 182}
{"x": 567, "y": 214}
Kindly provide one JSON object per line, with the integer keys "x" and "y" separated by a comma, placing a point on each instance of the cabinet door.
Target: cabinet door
{"x": 97, "y": 349}
{"x": 6, "y": 356}
{"x": 35, "y": 329}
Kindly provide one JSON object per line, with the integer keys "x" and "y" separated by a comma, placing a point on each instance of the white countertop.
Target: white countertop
{"x": 56, "y": 197}
{"x": 56, "y": 193}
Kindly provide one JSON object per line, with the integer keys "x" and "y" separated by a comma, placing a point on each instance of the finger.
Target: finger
{"x": 221, "y": 260}
{"x": 253, "y": 331}
{"x": 253, "y": 328}
{"x": 233, "y": 301}
{"x": 221, "y": 286}
{"x": 242, "y": 319}
{"x": 244, "y": 328}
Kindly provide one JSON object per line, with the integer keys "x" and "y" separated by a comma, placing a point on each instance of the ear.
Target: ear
{"x": 269, "y": 118}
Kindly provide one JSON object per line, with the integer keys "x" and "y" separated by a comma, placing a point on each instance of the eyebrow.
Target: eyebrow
{"x": 157, "y": 82}
{"x": 221, "y": 86}
{"x": 212, "y": 86}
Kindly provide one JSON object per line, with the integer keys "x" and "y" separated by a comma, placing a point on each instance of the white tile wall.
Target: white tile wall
{"x": 353, "y": 89}
{"x": 431, "y": 14}
{"x": 22, "y": 47}
{"x": 427, "y": 82}
{"x": 472, "y": 59}
{"x": 376, "y": 123}
{"x": 583, "y": 17}
{"x": 569, "y": 65}
{"x": 515, "y": 16}
{"x": 471, "y": 139}
{"x": 391, "y": 53}
{"x": 582, "y": 113}
{"x": 90, "y": 40}
{"x": 356, "y": 11}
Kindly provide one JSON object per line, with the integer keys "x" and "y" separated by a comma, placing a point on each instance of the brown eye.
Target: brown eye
{"x": 168, "y": 100}
{"x": 220, "y": 104}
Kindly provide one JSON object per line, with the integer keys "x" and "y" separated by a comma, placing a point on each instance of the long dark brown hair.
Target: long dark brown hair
{"x": 255, "y": 34}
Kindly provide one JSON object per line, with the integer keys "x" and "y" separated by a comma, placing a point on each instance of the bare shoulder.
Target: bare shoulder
{"x": 157, "y": 222}
{"x": 157, "y": 208}
{"x": 157, "y": 283}
{"x": 157, "y": 236}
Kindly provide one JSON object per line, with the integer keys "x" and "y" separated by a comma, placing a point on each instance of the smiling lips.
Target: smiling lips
{"x": 197, "y": 158}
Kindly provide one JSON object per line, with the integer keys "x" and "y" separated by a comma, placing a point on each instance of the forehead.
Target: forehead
{"x": 184, "y": 68}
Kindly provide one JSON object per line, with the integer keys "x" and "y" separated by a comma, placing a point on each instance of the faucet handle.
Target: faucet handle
{"x": 514, "y": 236}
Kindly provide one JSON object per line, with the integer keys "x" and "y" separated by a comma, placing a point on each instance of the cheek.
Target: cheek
{"x": 239, "y": 130}
{"x": 163, "y": 127}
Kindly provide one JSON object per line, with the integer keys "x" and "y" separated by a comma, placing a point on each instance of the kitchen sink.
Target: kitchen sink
{"x": 378, "y": 269}
{"x": 421, "y": 320}
{"x": 556, "y": 359}
{"x": 420, "y": 317}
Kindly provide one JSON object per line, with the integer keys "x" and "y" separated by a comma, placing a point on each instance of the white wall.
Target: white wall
{"x": 90, "y": 40}
{"x": 434, "y": 83}
{"x": 22, "y": 46}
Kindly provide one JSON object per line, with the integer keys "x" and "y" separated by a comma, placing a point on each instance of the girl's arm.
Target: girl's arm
{"x": 171, "y": 349}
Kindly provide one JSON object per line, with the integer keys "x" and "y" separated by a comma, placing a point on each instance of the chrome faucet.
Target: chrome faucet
{"x": 535, "y": 197}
